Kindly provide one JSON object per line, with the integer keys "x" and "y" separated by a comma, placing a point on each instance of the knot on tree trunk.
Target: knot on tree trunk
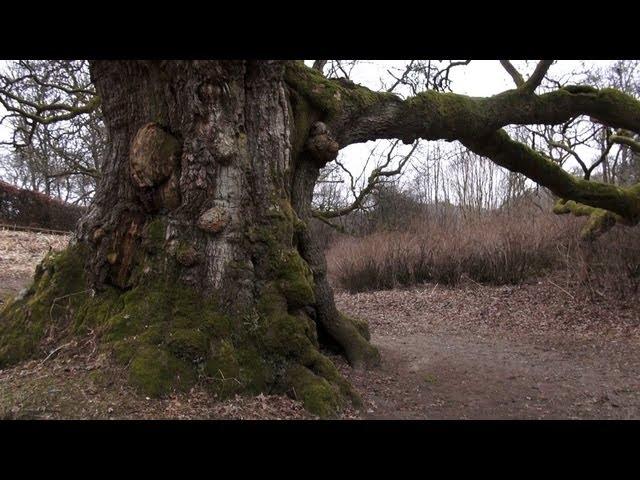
{"x": 154, "y": 155}
{"x": 214, "y": 220}
{"x": 321, "y": 145}
{"x": 154, "y": 159}
{"x": 98, "y": 234}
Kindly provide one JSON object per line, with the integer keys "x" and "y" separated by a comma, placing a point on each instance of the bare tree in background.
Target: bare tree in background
{"x": 342, "y": 190}
{"x": 57, "y": 136}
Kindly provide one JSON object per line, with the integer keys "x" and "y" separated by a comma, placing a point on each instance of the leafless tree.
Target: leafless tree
{"x": 57, "y": 137}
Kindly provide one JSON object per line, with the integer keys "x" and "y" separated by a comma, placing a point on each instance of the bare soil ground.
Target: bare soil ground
{"x": 536, "y": 350}
{"x": 479, "y": 352}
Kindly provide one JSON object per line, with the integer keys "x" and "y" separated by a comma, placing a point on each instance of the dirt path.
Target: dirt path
{"x": 449, "y": 377}
{"x": 471, "y": 352}
{"x": 438, "y": 368}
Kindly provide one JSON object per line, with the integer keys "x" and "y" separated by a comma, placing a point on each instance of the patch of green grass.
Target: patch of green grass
{"x": 430, "y": 378}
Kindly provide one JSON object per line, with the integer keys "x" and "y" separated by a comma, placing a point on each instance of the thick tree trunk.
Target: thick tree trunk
{"x": 197, "y": 257}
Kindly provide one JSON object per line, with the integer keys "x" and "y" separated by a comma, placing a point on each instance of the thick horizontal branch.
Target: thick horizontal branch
{"x": 356, "y": 114}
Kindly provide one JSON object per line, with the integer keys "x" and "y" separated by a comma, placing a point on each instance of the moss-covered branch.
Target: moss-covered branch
{"x": 625, "y": 139}
{"x": 354, "y": 113}
{"x": 357, "y": 114}
{"x": 600, "y": 221}
{"x": 517, "y": 157}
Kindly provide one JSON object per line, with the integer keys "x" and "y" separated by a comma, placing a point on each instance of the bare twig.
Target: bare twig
{"x": 511, "y": 70}
{"x": 62, "y": 298}
{"x": 562, "y": 289}
{"x": 54, "y": 351}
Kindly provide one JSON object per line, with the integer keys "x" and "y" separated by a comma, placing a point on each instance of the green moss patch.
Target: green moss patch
{"x": 316, "y": 393}
{"x": 57, "y": 292}
{"x": 188, "y": 343}
{"x": 154, "y": 371}
{"x": 295, "y": 279}
{"x": 169, "y": 336}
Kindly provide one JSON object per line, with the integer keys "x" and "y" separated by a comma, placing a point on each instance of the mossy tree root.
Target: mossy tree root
{"x": 169, "y": 337}
{"x": 349, "y": 336}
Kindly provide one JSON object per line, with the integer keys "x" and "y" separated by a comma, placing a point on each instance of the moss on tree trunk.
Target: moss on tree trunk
{"x": 194, "y": 263}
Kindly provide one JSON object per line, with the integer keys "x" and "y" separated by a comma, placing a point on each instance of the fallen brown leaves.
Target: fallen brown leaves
{"x": 539, "y": 308}
{"x": 67, "y": 387}
{"x": 545, "y": 349}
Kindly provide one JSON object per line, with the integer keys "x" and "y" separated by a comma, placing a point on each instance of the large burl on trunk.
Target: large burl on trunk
{"x": 195, "y": 260}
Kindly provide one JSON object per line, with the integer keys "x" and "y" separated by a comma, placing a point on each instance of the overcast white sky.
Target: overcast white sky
{"x": 480, "y": 78}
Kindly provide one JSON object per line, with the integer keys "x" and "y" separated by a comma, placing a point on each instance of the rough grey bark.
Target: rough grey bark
{"x": 334, "y": 329}
{"x": 200, "y": 221}
{"x": 209, "y": 112}
{"x": 225, "y": 161}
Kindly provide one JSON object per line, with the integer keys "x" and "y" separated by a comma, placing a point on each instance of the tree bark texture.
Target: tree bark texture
{"x": 195, "y": 257}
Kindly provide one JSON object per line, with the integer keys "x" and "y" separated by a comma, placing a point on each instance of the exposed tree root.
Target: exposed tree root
{"x": 170, "y": 337}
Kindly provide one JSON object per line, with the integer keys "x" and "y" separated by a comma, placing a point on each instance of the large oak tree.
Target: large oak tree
{"x": 196, "y": 259}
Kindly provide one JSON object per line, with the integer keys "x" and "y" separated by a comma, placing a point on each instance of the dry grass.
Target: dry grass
{"x": 499, "y": 248}
{"x": 609, "y": 266}
{"x": 20, "y": 252}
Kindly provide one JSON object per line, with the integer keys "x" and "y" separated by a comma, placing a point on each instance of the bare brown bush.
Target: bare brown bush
{"x": 488, "y": 248}
{"x": 34, "y": 209}
{"x": 609, "y": 266}
{"x": 500, "y": 247}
